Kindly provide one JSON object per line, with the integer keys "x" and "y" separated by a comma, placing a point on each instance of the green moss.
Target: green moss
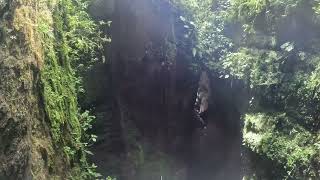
{"x": 61, "y": 35}
{"x": 59, "y": 87}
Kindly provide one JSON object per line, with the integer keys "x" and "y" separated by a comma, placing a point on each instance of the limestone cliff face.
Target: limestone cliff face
{"x": 16, "y": 98}
{"x": 153, "y": 91}
{"x": 27, "y": 149}
{"x": 145, "y": 68}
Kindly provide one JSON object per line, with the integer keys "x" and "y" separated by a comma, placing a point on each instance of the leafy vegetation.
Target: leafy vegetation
{"x": 74, "y": 40}
{"x": 260, "y": 43}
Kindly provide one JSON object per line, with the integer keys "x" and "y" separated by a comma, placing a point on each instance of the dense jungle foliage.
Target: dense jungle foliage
{"x": 273, "y": 46}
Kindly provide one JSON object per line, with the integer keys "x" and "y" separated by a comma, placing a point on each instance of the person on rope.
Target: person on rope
{"x": 202, "y": 100}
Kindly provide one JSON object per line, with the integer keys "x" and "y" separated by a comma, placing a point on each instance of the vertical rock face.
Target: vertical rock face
{"x": 153, "y": 92}
{"x": 153, "y": 95}
{"x": 18, "y": 103}
{"x": 144, "y": 64}
{"x": 16, "y": 98}
{"x": 25, "y": 144}
{"x": 27, "y": 150}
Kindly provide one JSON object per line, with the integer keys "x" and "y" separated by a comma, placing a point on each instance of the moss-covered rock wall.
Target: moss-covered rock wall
{"x": 44, "y": 44}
